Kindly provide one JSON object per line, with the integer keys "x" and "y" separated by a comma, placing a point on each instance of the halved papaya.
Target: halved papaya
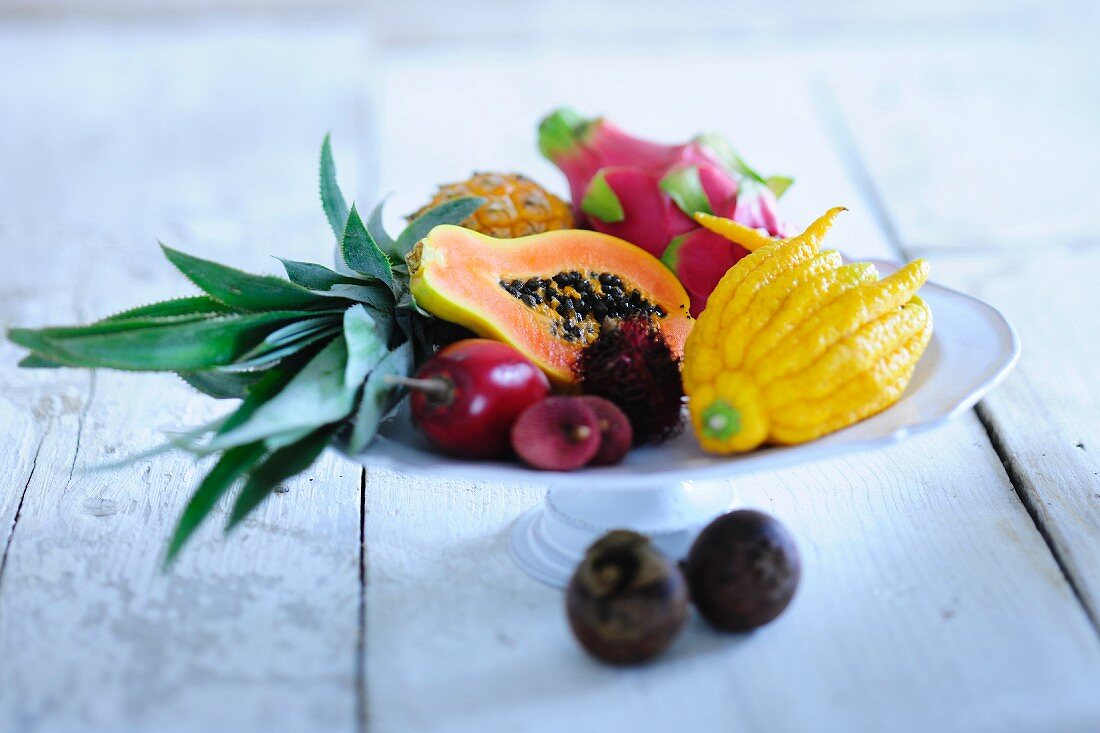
{"x": 547, "y": 294}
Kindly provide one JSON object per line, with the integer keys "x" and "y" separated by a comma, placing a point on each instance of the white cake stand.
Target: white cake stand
{"x": 669, "y": 491}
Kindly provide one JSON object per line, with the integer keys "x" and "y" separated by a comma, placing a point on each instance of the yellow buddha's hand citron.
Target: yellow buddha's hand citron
{"x": 794, "y": 344}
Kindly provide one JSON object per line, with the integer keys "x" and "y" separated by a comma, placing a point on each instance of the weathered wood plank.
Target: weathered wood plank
{"x": 930, "y": 600}
{"x": 30, "y": 402}
{"x": 521, "y": 25}
{"x": 984, "y": 144}
{"x": 1044, "y": 419}
{"x": 926, "y": 605}
{"x": 994, "y": 193}
{"x": 207, "y": 140}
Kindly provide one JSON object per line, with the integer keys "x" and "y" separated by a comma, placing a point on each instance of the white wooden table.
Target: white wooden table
{"x": 950, "y": 583}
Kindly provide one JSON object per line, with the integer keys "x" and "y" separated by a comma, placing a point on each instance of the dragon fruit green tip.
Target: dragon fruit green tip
{"x": 647, "y": 193}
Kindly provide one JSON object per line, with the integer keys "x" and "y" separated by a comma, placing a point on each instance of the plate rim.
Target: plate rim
{"x": 375, "y": 456}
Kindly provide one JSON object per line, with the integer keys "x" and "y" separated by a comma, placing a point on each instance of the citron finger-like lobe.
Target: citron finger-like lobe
{"x": 785, "y": 257}
{"x": 866, "y": 394}
{"x": 795, "y": 345}
{"x": 805, "y": 300}
{"x": 873, "y": 342}
{"x": 749, "y": 238}
{"x": 740, "y": 284}
{"x": 843, "y": 317}
{"x": 733, "y": 279}
{"x": 767, "y": 301}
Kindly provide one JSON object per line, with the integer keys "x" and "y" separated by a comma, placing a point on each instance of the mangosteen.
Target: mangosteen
{"x": 626, "y": 601}
{"x": 743, "y": 570}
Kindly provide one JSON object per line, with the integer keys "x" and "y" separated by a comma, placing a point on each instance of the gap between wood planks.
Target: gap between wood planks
{"x": 34, "y": 465}
{"x": 361, "y": 642}
{"x": 22, "y": 498}
{"x": 1016, "y": 476}
{"x": 837, "y": 128}
{"x": 80, "y": 427}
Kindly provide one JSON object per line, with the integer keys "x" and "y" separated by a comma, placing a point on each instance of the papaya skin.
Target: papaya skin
{"x": 456, "y": 274}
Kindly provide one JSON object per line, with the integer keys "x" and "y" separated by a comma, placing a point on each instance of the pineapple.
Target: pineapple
{"x": 516, "y": 206}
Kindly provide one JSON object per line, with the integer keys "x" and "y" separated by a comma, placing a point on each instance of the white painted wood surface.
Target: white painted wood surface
{"x": 930, "y": 602}
{"x": 1013, "y": 222}
{"x": 907, "y": 549}
{"x": 206, "y": 151}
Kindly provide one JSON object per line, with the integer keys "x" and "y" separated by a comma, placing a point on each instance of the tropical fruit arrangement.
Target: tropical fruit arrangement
{"x": 521, "y": 326}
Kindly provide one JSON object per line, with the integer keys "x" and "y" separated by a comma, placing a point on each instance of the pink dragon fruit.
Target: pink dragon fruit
{"x": 645, "y": 193}
{"x": 700, "y": 258}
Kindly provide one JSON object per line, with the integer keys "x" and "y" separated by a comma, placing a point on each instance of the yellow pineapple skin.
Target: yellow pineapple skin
{"x": 515, "y": 205}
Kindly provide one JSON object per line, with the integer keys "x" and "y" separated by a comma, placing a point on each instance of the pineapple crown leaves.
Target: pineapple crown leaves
{"x": 309, "y": 357}
{"x": 332, "y": 199}
{"x": 362, "y": 254}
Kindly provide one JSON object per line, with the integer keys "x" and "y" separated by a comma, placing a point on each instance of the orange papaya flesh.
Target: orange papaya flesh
{"x": 548, "y": 295}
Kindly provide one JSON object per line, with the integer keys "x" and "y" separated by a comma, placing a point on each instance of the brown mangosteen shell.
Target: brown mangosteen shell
{"x": 626, "y": 601}
{"x": 743, "y": 570}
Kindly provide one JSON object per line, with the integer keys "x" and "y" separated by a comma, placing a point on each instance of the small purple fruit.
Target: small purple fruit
{"x": 616, "y": 435}
{"x": 626, "y": 602}
{"x": 743, "y": 570}
{"x": 557, "y": 434}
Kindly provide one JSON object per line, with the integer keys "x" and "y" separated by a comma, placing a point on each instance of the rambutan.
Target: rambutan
{"x": 631, "y": 365}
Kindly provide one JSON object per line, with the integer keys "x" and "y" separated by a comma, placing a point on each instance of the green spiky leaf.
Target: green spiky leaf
{"x": 232, "y": 465}
{"x": 277, "y": 467}
{"x": 332, "y": 199}
{"x": 376, "y": 295}
{"x": 269, "y": 358}
{"x": 221, "y": 385}
{"x": 197, "y": 305}
{"x": 454, "y": 211}
{"x": 166, "y": 344}
{"x": 317, "y": 395}
{"x": 378, "y": 397}
{"x": 401, "y": 271}
{"x": 282, "y": 440}
{"x": 36, "y": 361}
{"x": 293, "y": 332}
{"x": 361, "y": 253}
{"x": 282, "y": 344}
{"x": 378, "y": 232}
{"x": 243, "y": 290}
{"x": 300, "y": 329}
{"x": 369, "y": 291}
{"x": 39, "y": 339}
{"x": 188, "y": 440}
{"x": 311, "y": 357}
{"x": 366, "y": 344}
{"x": 316, "y": 277}
{"x": 269, "y": 385}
